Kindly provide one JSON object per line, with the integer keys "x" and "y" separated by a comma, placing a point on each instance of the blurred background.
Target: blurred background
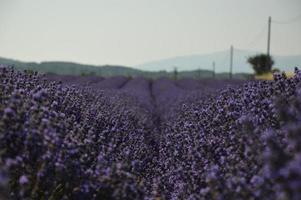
{"x": 173, "y": 38}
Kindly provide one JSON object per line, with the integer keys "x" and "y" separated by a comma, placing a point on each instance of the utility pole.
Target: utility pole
{"x": 175, "y": 73}
{"x": 231, "y": 61}
{"x": 269, "y": 36}
{"x": 213, "y": 69}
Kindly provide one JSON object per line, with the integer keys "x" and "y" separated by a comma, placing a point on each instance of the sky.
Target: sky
{"x": 131, "y": 32}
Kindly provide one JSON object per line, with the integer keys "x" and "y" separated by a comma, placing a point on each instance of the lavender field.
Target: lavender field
{"x": 69, "y": 137}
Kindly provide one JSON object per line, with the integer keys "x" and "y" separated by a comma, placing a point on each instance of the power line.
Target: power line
{"x": 292, "y": 20}
{"x": 258, "y": 36}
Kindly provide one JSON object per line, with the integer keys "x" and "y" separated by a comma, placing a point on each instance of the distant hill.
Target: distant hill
{"x": 70, "y": 68}
{"x": 240, "y": 65}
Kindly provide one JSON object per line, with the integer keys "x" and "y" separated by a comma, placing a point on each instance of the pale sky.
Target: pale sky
{"x": 131, "y": 32}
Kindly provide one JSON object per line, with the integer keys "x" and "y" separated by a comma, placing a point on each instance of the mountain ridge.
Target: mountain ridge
{"x": 222, "y": 59}
{"x": 72, "y": 68}
{"x": 195, "y": 66}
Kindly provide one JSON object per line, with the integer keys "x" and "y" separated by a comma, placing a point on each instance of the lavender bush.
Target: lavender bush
{"x": 120, "y": 138}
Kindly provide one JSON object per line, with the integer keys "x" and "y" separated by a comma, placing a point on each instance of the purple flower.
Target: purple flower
{"x": 23, "y": 180}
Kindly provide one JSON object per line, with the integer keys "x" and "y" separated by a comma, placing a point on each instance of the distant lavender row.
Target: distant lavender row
{"x": 90, "y": 81}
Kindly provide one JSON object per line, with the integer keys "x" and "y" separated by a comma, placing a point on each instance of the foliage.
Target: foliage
{"x": 261, "y": 63}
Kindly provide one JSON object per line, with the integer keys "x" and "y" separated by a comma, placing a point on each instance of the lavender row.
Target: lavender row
{"x": 241, "y": 144}
{"x": 60, "y": 142}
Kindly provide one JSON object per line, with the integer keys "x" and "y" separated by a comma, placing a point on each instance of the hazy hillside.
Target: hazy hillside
{"x": 70, "y": 68}
{"x": 192, "y": 62}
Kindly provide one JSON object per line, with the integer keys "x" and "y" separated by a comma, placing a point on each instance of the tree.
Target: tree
{"x": 261, "y": 63}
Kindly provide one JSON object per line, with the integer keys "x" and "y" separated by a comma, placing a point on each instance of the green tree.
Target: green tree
{"x": 261, "y": 63}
